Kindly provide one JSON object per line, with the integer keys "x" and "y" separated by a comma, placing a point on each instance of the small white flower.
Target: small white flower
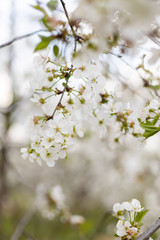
{"x": 117, "y": 207}
{"x": 121, "y": 231}
{"x": 154, "y": 104}
{"x": 58, "y": 197}
{"x": 40, "y": 61}
{"x": 125, "y": 228}
{"x": 79, "y": 131}
{"x": 24, "y": 153}
{"x": 49, "y": 156}
{"x": 127, "y": 206}
{"x": 76, "y": 220}
{"x": 50, "y": 163}
{"x": 59, "y": 137}
{"x": 132, "y": 231}
{"x": 136, "y": 205}
{"x": 62, "y": 154}
{"x": 32, "y": 157}
{"x": 47, "y": 142}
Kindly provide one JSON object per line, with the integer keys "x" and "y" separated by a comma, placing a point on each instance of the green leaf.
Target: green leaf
{"x": 155, "y": 119}
{"x": 149, "y": 127}
{"x": 140, "y": 216}
{"x": 52, "y": 5}
{"x": 43, "y": 43}
{"x": 149, "y": 134}
{"x": 39, "y": 8}
{"x": 139, "y": 225}
{"x": 56, "y": 50}
{"x": 155, "y": 87}
{"x": 116, "y": 235}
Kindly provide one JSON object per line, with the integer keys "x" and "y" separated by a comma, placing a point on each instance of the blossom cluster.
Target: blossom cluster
{"x": 51, "y": 203}
{"x": 69, "y": 107}
{"x": 130, "y": 215}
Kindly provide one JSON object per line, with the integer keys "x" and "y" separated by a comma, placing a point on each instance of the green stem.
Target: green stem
{"x": 49, "y": 96}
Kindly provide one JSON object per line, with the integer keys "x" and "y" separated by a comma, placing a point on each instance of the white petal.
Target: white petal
{"x": 50, "y": 163}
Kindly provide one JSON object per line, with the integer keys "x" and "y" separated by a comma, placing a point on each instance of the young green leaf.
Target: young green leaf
{"x": 43, "y": 43}
{"x": 149, "y": 127}
{"x": 56, "y": 50}
{"x": 140, "y": 216}
{"x": 39, "y": 8}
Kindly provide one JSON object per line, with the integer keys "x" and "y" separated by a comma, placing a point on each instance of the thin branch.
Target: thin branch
{"x": 134, "y": 47}
{"x": 62, "y": 94}
{"x": 29, "y": 236}
{"x": 153, "y": 228}
{"x": 123, "y": 83}
{"x": 153, "y": 39}
{"x": 77, "y": 37}
{"x": 145, "y": 82}
{"x": 20, "y": 37}
{"x": 101, "y": 224}
{"x": 22, "y": 224}
{"x": 120, "y": 57}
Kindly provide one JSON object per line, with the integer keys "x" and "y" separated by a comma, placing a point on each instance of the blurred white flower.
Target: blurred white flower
{"x": 24, "y": 153}
{"x": 76, "y": 220}
{"x": 57, "y": 195}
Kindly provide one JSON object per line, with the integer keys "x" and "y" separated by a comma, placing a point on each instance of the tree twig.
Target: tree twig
{"x": 22, "y": 224}
{"x": 153, "y": 39}
{"x": 145, "y": 82}
{"x": 20, "y": 37}
{"x": 62, "y": 93}
{"x": 100, "y": 224}
{"x": 77, "y": 37}
{"x": 153, "y": 228}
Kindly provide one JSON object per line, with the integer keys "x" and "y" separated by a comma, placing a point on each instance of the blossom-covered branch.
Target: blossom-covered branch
{"x": 62, "y": 93}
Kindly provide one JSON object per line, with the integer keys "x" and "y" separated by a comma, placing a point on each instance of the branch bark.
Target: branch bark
{"x": 20, "y": 37}
{"x": 153, "y": 228}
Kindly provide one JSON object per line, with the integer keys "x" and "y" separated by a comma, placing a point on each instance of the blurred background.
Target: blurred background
{"x": 95, "y": 175}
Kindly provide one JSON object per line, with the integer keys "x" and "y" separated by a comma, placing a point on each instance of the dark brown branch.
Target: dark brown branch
{"x": 153, "y": 39}
{"x": 77, "y": 38}
{"x": 20, "y": 37}
{"x": 62, "y": 94}
{"x": 153, "y": 228}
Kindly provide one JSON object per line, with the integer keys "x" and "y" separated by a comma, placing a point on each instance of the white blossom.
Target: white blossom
{"x": 76, "y": 220}
{"x": 136, "y": 205}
